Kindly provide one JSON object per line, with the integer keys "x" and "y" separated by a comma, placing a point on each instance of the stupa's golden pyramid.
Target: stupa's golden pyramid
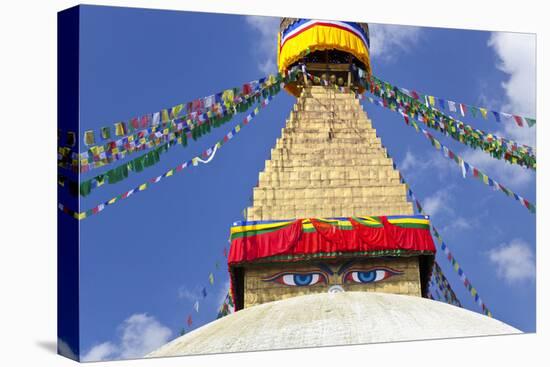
{"x": 328, "y": 162}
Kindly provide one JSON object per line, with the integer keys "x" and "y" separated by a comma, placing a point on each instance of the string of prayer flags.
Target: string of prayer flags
{"x": 498, "y": 147}
{"x": 227, "y": 98}
{"x": 140, "y": 188}
{"x": 443, "y": 284}
{"x": 466, "y": 168}
{"x": 180, "y": 128}
{"x": 138, "y": 164}
{"x": 227, "y": 307}
{"x": 445, "y": 104}
{"x": 445, "y": 248}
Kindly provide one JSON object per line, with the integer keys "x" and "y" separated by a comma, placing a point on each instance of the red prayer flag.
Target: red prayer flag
{"x": 189, "y": 321}
{"x": 519, "y": 120}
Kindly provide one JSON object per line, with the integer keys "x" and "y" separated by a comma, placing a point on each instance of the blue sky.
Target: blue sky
{"x": 145, "y": 259}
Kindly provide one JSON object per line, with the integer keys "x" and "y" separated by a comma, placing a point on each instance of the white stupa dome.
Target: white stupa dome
{"x": 327, "y": 319}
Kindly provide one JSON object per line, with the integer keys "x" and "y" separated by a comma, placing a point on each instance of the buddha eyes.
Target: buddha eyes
{"x": 369, "y": 276}
{"x": 358, "y": 276}
{"x": 298, "y": 279}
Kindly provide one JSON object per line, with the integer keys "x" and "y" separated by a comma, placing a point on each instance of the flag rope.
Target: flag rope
{"x": 491, "y": 144}
{"x": 463, "y": 108}
{"x": 194, "y": 162}
{"x": 147, "y": 159}
{"x": 467, "y": 168}
{"x": 450, "y": 257}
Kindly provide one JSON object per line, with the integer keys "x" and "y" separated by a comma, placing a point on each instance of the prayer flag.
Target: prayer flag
{"x": 519, "y": 120}
{"x": 105, "y": 133}
{"x": 483, "y": 112}
{"x": 204, "y": 292}
{"x": 189, "y": 321}
{"x": 89, "y": 138}
{"x": 120, "y": 129}
{"x": 156, "y": 118}
{"x": 211, "y": 278}
{"x": 463, "y": 109}
{"x": 530, "y": 122}
{"x": 196, "y": 306}
{"x": 452, "y": 106}
{"x": 442, "y": 104}
{"x": 497, "y": 116}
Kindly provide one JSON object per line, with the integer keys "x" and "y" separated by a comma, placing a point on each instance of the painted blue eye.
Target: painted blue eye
{"x": 370, "y": 276}
{"x": 366, "y": 276}
{"x": 297, "y": 279}
{"x": 303, "y": 279}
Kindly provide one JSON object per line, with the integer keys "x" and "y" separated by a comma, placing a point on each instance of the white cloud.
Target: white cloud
{"x": 515, "y": 261}
{"x": 266, "y": 48}
{"x": 388, "y": 41}
{"x": 459, "y": 224}
{"x": 436, "y": 203}
{"x": 435, "y": 163}
{"x": 187, "y": 294}
{"x": 140, "y": 334}
{"x": 516, "y": 54}
{"x": 101, "y": 352}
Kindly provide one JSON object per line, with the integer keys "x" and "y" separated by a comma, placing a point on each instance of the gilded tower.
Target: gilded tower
{"x": 328, "y": 164}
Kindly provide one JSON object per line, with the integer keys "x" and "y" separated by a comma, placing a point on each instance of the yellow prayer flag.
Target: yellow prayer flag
{"x": 170, "y": 173}
{"x": 483, "y": 112}
{"x": 432, "y": 100}
{"x": 237, "y": 128}
{"x": 165, "y": 117}
{"x": 176, "y": 110}
{"x": 142, "y": 187}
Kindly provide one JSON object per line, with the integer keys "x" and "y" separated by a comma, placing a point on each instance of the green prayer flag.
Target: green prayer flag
{"x": 105, "y": 133}
{"x": 85, "y": 188}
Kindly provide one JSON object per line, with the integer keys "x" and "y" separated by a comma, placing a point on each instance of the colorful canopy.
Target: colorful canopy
{"x": 309, "y": 35}
{"x": 327, "y": 238}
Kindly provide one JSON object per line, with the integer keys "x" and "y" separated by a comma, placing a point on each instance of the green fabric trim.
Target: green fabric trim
{"x": 337, "y": 254}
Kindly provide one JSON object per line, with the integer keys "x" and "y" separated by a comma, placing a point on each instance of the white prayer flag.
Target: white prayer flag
{"x": 452, "y": 106}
